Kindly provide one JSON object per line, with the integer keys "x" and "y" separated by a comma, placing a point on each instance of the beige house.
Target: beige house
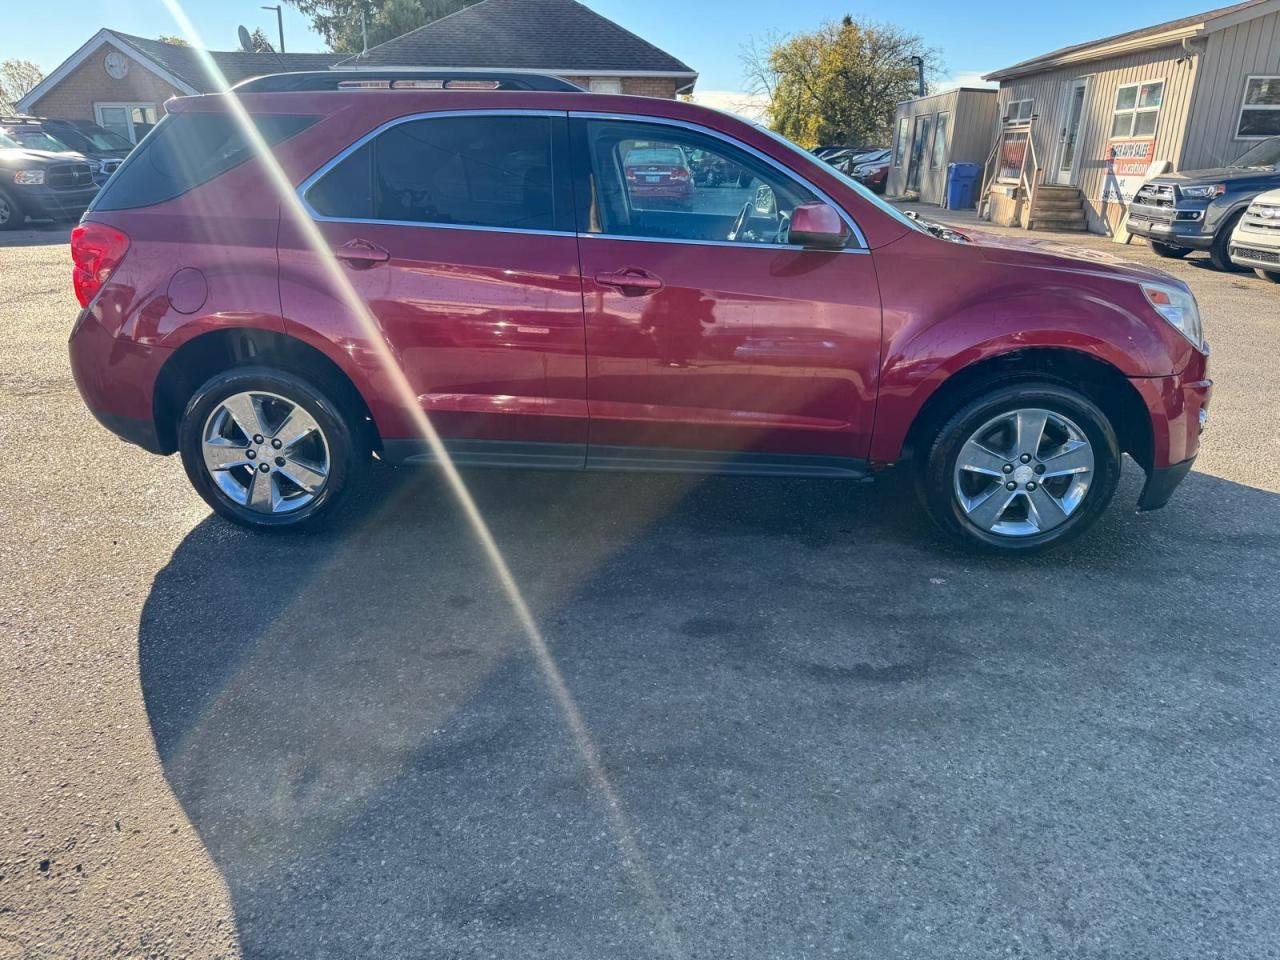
{"x": 955, "y": 126}
{"x": 1082, "y": 126}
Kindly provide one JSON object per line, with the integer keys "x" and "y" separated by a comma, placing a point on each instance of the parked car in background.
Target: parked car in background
{"x": 1199, "y": 209}
{"x": 873, "y": 172}
{"x": 104, "y": 147}
{"x": 1256, "y": 240}
{"x": 41, "y": 180}
{"x": 713, "y": 170}
{"x": 530, "y": 299}
{"x": 659, "y": 172}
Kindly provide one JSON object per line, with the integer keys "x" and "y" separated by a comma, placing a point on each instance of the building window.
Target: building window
{"x": 604, "y": 85}
{"x": 938, "y": 158}
{"x": 1019, "y": 111}
{"x": 1137, "y": 108}
{"x": 131, "y": 120}
{"x": 900, "y": 142}
{"x": 1260, "y": 110}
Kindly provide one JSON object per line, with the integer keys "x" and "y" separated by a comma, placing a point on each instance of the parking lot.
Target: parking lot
{"x": 794, "y": 720}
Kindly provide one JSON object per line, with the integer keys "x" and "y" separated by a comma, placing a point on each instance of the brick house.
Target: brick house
{"x": 122, "y": 81}
{"x": 560, "y": 37}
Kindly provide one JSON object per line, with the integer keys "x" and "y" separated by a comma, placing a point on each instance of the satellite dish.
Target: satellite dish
{"x": 246, "y": 41}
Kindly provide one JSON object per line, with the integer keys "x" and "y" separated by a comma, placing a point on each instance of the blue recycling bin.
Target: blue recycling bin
{"x": 962, "y": 185}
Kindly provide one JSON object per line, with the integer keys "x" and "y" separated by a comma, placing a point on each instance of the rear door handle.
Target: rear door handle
{"x": 631, "y": 280}
{"x": 361, "y": 254}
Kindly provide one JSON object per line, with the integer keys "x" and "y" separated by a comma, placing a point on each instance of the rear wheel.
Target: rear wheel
{"x": 267, "y": 449}
{"x": 1025, "y": 467}
{"x": 11, "y": 215}
{"x": 1220, "y": 253}
{"x": 1272, "y": 275}
{"x": 1167, "y": 251}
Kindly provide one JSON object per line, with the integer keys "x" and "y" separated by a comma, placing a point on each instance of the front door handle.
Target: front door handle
{"x": 631, "y": 280}
{"x": 361, "y": 254}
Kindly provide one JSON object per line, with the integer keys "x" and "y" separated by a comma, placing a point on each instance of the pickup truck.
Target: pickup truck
{"x": 42, "y": 184}
{"x": 1199, "y": 209}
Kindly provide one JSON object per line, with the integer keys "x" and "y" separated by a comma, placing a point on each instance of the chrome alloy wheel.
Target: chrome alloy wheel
{"x": 6, "y": 211}
{"x": 1023, "y": 472}
{"x": 265, "y": 452}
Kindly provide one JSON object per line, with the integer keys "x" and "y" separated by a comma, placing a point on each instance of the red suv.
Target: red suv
{"x": 484, "y": 256}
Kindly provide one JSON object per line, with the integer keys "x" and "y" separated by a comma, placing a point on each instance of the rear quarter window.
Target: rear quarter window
{"x": 188, "y": 149}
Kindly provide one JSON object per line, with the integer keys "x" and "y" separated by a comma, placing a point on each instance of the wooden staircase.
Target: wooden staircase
{"x": 1056, "y": 208}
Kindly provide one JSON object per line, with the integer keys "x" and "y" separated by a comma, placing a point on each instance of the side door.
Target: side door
{"x": 712, "y": 340}
{"x": 456, "y": 230}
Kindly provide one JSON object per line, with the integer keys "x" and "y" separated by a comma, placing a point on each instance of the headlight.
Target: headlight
{"x": 30, "y": 178}
{"x": 1203, "y": 193}
{"x": 1177, "y": 306}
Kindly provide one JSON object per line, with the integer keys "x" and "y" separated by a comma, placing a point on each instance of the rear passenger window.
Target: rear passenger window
{"x": 481, "y": 171}
{"x": 185, "y": 150}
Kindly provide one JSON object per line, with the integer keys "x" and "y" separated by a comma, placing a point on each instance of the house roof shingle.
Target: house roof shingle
{"x": 236, "y": 65}
{"x": 1047, "y": 59}
{"x": 555, "y": 35}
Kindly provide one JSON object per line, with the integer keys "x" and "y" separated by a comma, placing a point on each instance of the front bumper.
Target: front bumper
{"x": 1177, "y": 233}
{"x": 43, "y": 202}
{"x": 1262, "y": 253}
{"x": 1178, "y": 407}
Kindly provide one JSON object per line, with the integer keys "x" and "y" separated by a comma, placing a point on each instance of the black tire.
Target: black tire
{"x": 11, "y": 214}
{"x": 1220, "y": 253}
{"x": 1271, "y": 275}
{"x": 347, "y": 445}
{"x": 1167, "y": 251}
{"x": 935, "y": 472}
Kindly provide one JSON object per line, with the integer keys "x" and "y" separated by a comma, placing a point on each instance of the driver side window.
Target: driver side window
{"x": 665, "y": 182}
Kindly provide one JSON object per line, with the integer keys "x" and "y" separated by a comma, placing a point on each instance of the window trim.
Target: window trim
{"x": 901, "y": 141}
{"x": 1135, "y": 110}
{"x": 1008, "y": 109}
{"x": 854, "y": 232}
{"x": 933, "y": 147}
{"x": 351, "y": 148}
{"x": 127, "y": 106}
{"x": 1244, "y": 95}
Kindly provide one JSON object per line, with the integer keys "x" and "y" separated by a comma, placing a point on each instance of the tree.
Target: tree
{"x": 259, "y": 41}
{"x": 839, "y": 84}
{"x": 16, "y": 78}
{"x": 338, "y": 21}
{"x": 175, "y": 40}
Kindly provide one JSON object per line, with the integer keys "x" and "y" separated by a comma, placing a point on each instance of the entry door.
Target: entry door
{"x": 712, "y": 342}
{"x": 457, "y": 232}
{"x": 1068, "y": 154}
{"x": 919, "y": 150}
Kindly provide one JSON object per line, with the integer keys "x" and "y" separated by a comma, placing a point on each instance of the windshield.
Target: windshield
{"x": 93, "y": 138}
{"x": 1265, "y": 154}
{"x": 6, "y": 141}
{"x": 666, "y": 155}
{"x": 38, "y": 140}
{"x": 848, "y": 181}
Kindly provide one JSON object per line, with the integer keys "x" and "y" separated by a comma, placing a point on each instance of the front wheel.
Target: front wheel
{"x": 11, "y": 215}
{"x": 1220, "y": 252}
{"x": 267, "y": 449}
{"x": 1167, "y": 251}
{"x": 1022, "y": 468}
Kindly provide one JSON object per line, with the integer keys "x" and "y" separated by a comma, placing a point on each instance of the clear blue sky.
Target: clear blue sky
{"x": 707, "y": 34}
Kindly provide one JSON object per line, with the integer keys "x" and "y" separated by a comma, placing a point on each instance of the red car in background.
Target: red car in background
{"x": 659, "y": 173}
{"x": 495, "y": 260}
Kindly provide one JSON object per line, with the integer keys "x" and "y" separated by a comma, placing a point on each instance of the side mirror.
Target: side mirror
{"x": 818, "y": 224}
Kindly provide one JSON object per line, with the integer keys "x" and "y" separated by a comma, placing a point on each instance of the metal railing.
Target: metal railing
{"x": 1029, "y": 175}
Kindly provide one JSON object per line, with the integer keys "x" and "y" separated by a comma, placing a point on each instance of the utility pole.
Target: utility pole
{"x": 918, "y": 63}
{"x": 279, "y": 9}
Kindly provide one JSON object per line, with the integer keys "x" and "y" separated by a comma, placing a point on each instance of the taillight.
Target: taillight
{"x": 96, "y": 250}
{"x": 679, "y": 173}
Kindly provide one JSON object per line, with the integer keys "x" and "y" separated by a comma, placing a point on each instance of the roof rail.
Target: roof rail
{"x": 313, "y": 80}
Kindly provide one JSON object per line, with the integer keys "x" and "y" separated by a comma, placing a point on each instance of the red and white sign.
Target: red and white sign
{"x": 1126, "y": 168}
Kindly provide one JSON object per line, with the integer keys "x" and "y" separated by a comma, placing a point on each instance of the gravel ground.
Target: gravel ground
{"x": 794, "y": 721}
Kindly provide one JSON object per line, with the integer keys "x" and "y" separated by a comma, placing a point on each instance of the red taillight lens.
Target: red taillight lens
{"x": 679, "y": 173}
{"x": 96, "y": 250}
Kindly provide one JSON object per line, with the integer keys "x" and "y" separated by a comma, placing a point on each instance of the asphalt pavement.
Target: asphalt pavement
{"x": 760, "y": 719}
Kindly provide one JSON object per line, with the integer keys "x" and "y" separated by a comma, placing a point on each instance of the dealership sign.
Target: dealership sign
{"x": 1126, "y": 169}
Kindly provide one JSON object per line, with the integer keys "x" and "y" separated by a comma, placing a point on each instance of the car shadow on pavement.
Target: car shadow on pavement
{"x": 37, "y": 235}
{"x": 797, "y": 723}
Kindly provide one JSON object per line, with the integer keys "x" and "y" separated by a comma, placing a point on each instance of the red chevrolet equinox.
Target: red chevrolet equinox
{"x": 288, "y": 280}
